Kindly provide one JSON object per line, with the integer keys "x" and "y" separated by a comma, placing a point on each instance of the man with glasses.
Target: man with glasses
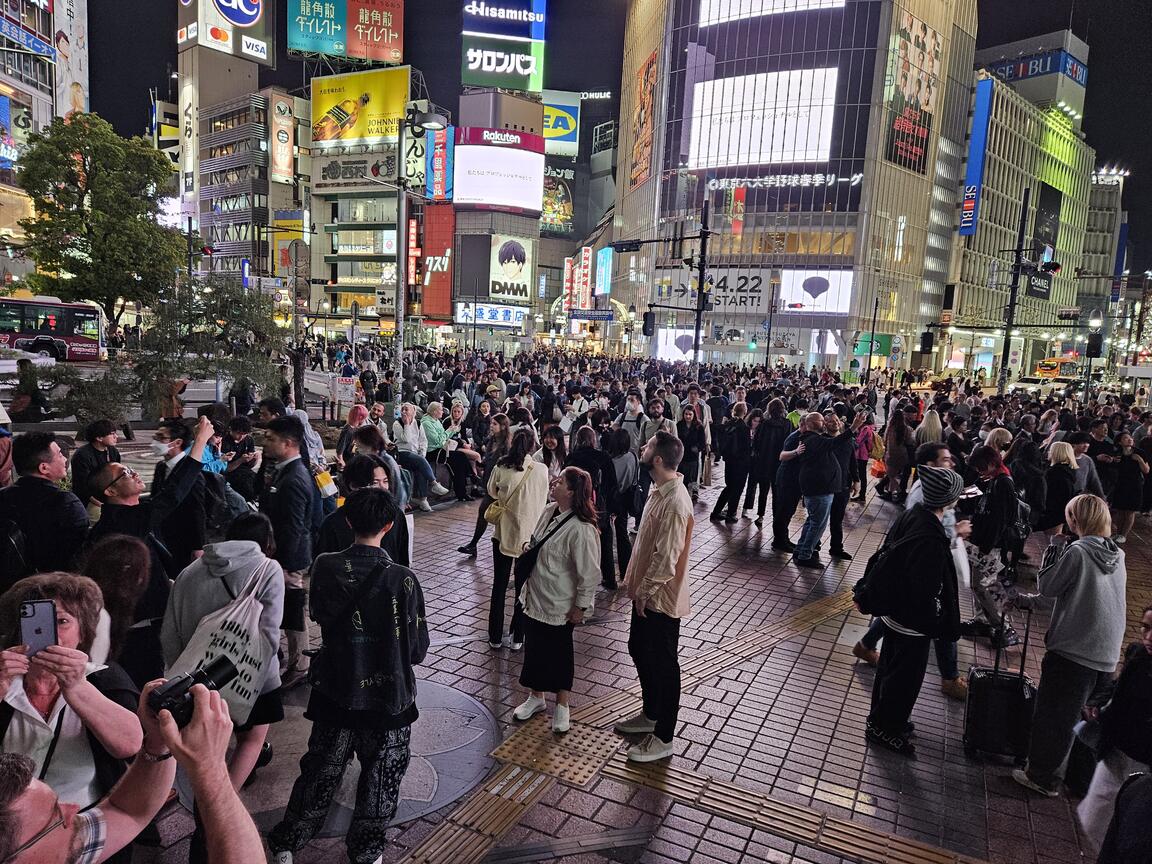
{"x": 36, "y": 828}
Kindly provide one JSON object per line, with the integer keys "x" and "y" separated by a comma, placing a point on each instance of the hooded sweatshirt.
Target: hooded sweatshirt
{"x": 1087, "y": 584}
{"x": 204, "y": 586}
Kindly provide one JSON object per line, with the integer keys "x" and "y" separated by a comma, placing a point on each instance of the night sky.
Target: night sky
{"x": 584, "y": 53}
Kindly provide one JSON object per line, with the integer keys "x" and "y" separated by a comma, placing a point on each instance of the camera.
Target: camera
{"x": 174, "y": 694}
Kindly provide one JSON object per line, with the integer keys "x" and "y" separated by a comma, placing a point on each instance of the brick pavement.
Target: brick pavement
{"x": 786, "y": 722}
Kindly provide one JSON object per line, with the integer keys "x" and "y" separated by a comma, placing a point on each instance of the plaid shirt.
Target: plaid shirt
{"x": 90, "y": 837}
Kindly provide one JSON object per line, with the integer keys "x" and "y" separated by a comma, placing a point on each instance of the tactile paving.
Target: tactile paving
{"x": 574, "y": 757}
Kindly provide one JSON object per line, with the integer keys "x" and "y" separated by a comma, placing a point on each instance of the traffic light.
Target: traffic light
{"x": 1095, "y": 346}
{"x": 927, "y": 340}
{"x": 627, "y": 246}
{"x": 649, "y": 329}
{"x": 207, "y": 250}
{"x": 752, "y": 346}
{"x": 1068, "y": 314}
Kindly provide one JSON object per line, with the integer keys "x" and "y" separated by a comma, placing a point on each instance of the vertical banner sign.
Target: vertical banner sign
{"x": 71, "y": 21}
{"x": 915, "y": 61}
{"x": 1121, "y": 258}
{"x": 569, "y": 284}
{"x": 282, "y": 130}
{"x": 584, "y": 296}
{"x": 736, "y": 201}
{"x": 440, "y": 149}
{"x": 604, "y": 271}
{"x": 439, "y": 236}
{"x": 977, "y": 148}
{"x": 643, "y": 124}
{"x": 414, "y": 252}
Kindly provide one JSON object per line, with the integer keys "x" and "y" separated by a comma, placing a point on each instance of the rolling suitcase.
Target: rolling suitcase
{"x": 998, "y": 715}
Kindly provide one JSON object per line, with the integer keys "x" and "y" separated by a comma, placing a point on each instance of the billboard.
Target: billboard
{"x": 510, "y": 267}
{"x": 363, "y": 108}
{"x": 241, "y": 28}
{"x": 643, "y": 123}
{"x": 763, "y": 118}
{"x": 499, "y": 169}
{"x": 518, "y": 19}
{"x": 915, "y": 58}
{"x": 440, "y": 154}
{"x": 503, "y": 44}
{"x": 1046, "y": 228}
{"x": 358, "y": 29}
{"x": 722, "y": 11}
{"x": 604, "y": 271}
{"x": 291, "y": 225}
{"x": 559, "y": 209}
{"x": 491, "y": 314}
{"x": 352, "y": 173}
{"x": 71, "y": 19}
{"x": 439, "y": 231}
{"x": 8, "y": 151}
{"x": 561, "y": 123}
{"x": 1058, "y": 62}
{"x": 282, "y": 137}
{"x": 977, "y": 151}
{"x": 815, "y": 292}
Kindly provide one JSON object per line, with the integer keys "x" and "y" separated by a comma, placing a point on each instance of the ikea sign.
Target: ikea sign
{"x": 561, "y": 123}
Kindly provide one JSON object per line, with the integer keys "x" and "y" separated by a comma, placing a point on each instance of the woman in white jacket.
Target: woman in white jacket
{"x": 520, "y": 485}
{"x": 559, "y": 593}
{"x": 411, "y": 450}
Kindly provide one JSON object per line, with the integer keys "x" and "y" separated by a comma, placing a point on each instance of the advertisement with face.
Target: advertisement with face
{"x": 916, "y": 57}
{"x": 643, "y": 124}
{"x": 499, "y": 169}
{"x": 71, "y": 56}
{"x": 510, "y": 269}
{"x": 558, "y": 216}
{"x": 815, "y": 292}
{"x": 359, "y": 107}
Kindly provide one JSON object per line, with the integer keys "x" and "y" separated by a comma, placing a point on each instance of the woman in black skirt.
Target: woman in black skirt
{"x": 559, "y": 593}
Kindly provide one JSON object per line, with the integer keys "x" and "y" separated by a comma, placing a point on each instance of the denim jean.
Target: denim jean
{"x": 947, "y": 656}
{"x": 819, "y": 508}
{"x": 422, "y": 474}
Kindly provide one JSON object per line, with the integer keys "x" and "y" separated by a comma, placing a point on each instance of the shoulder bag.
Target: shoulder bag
{"x": 526, "y": 563}
{"x": 495, "y": 511}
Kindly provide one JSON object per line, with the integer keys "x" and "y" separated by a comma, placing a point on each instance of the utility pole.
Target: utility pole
{"x": 191, "y": 251}
{"x": 872, "y": 336}
{"x": 771, "y": 314}
{"x": 701, "y": 285}
{"x": 1013, "y": 292}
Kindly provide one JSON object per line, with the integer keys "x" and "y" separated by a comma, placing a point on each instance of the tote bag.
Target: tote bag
{"x": 233, "y": 631}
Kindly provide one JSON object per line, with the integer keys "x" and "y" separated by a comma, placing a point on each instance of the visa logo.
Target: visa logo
{"x": 254, "y": 47}
{"x": 559, "y": 123}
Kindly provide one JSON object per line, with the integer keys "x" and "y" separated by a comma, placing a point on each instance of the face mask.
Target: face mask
{"x": 159, "y": 448}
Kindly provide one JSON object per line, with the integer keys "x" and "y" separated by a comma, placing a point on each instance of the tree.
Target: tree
{"x": 94, "y": 234}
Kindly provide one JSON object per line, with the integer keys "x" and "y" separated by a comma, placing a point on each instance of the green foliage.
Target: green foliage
{"x": 112, "y": 394}
{"x": 94, "y": 234}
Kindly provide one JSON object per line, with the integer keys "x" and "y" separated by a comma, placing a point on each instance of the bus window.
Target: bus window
{"x": 85, "y": 324}
{"x": 9, "y": 318}
{"x": 42, "y": 319}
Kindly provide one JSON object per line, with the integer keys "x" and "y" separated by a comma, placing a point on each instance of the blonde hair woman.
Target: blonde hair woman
{"x": 1000, "y": 439}
{"x": 930, "y": 430}
{"x": 1083, "y": 582}
{"x": 1059, "y": 485}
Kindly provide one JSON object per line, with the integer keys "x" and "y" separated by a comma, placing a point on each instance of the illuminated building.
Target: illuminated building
{"x": 827, "y": 137}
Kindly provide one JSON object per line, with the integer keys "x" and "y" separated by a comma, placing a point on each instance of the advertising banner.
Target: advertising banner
{"x": 1046, "y": 228}
{"x": 497, "y": 62}
{"x": 569, "y": 289}
{"x": 722, "y": 11}
{"x": 282, "y": 135}
{"x": 510, "y": 269}
{"x": 643, "y": 124}
{"x": 1057, "y": 62}
{"x": 358, "y": 29}
{"x": 359, "y": 108}
{"x": 499, "y": 169}
{"x": 439, "y": 228}
{"x": 558, "y": 215}
{"x": 440, "y": 155}
{"x": 604, "y": 271}
{"x": 8, "y": 151}
{"x": 71, "y": 21}
{"x": 518, "y": 19}
{"x": 291, "y": 225}
{"x": 352, "y": 173}
{"x": 916, "y": 54}
{"x": 561, "y": 123}
{"x": 491, "y": 314}
{"x": 241, "y": 28}
{"x": 977, "y": 150}
{"x": 584, "y": 278}
{"x": 815, "y": 292}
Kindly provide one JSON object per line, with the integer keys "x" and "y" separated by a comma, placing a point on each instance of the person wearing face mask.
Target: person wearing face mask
{"x": 631, "y": 420}
{"x": 184, "y": 530}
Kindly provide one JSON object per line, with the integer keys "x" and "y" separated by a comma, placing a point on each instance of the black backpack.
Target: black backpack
{"x": 14, "y": 564}
{"x": 877, "y": 590}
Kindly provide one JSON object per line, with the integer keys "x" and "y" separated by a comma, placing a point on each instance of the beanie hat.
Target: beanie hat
{"x": 941, "y": 486}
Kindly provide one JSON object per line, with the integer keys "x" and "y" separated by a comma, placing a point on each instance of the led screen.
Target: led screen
{"x": 771, "y": 117}
{"x": 499, "y": 177}
{"x": 815, "y": 292}
{"x": 720, "y": 11}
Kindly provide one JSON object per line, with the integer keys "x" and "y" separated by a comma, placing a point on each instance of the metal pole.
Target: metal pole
{"x": 771, "y": 313}
{"x": 701, "y": 285}
{"x": 1014, "y": 291}
{"x": 872, "y": 336}
{"x": 190, "y": 250}
{"x": 401, "y": 251}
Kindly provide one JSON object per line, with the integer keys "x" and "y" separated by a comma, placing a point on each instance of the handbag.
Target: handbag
{"x": 233, "y": 631}
{"x": 526, "y": 563}
{"x": 706, "y": 474}
{"x": 494, "y": 512}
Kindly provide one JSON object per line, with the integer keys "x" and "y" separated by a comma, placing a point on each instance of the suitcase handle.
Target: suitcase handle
{"x": 999, "y": 636}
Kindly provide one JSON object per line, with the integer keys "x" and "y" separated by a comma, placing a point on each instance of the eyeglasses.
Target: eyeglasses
{"x": 128, "y": 472}
{"x": 57, "y": 821}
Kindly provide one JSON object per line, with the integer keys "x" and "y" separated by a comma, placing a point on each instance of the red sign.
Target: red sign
{"x": 376, "y": 30}
{"x": 569, "y": 284}
{"x": 439, "y": 231}
{"x": 584, "y": 279}
{"x": 477, "y": 136}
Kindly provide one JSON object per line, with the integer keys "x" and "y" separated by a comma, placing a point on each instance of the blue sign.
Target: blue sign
{"x": 1058, "y": 62}
{"x": 516, "y": 19}
{"x": 245, "y": 271}
{"x": 318, "y": 28}
{"x": 242, "y": 13}
{"x": 25, "y": 39}
{"x": 1121, "y": 257}
{"x": 604, "y": 271}
{"x": 592, "y": 315}
{"x": 977, "y": 147}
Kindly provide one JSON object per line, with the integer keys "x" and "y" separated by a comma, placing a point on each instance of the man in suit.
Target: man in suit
{"x": 184, "y": 530}
{"x": 287, "y": 501}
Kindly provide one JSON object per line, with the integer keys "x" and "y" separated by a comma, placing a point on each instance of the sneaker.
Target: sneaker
{"x": 813, "y": 563}
{"x": 468, "y": 550}
{"x": 438, "y": 489}
{"x": 956, "y": 689}
{"x": 560, "y": 721}
{"x": 529, "y": 708}
{"x": 422, "y": 504}
{"x": 512, "y": 644}
{"x": 730, "y": 519}
{"x": 1008, "y": 639}
{"x": 265, "y": 757}
{"x": 609, "y": 586}
{"x": 1021, "y": 776}
{"x": 651, "y": 749}
{"x": 759, "y": 523}
{"x": 743, "y": 514}
{"x": 1120, "y": 538}
{"x": 783, "y": 545}
{"x": 281, "y": 858}
{"x": 715, "y": 517}
{"x": 495, "y": 646}
{"x": 869, "y": 655}
{"x": 637, "y": 725}
{"x": 840, "y": 555}
{"x": 896, "y": 743}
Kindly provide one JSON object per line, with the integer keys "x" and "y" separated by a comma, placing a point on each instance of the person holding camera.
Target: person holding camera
{"x": 371, "y": 614}
{"x": 37, "y": 827}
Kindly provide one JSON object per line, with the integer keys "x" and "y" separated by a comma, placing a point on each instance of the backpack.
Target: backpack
{"x": 877, "y": 450}
{"x": 218, "y": 510}
{"x": 14, "y": 564}
{"x": 875, "y": 592}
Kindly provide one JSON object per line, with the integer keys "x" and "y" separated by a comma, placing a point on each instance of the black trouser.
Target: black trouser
{"x": 1065, "y": 686}
{"x": 899, "y": 675}
{"x": 735, "y": 475}
{"x": 862, "y": 476}
{"x": 785, "y": 500}
{"x": 653, "y": 644}
{"x": 836, "y": 519}
{"x": 460, "y": 467}
{"x": 481, "y": 522}
{"x": 753, "y": 484}
{"x": 607, "y": 561}
{"x": 623, "y": 544}
{"x": 502, "y": 572}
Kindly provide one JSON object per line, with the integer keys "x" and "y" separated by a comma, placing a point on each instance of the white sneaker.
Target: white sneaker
{"x": 637, "y": 725}
{"x": 511, "y": 644}
{"x": 529, "y": 708}
{"x": 743, "y": 514}
{"x": 282, "y": 858}
{"x": 422, "y": 504}
{"x": 560, "y": 721}
{"x": 651, "y": 749}
{"x": 1120, "y": 538}
{"x": 437, "y": 489}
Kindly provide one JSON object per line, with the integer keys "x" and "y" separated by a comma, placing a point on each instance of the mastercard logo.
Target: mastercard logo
{"x": 219, "y": 34}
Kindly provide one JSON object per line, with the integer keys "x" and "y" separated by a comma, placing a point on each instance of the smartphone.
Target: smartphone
{"x": 38, "y": 625}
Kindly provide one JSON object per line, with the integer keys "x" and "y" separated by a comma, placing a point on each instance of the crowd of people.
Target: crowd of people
{"x": 588, "y": 472}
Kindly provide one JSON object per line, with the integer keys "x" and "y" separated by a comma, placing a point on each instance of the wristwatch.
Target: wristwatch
{"x": 151, "y": 757}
